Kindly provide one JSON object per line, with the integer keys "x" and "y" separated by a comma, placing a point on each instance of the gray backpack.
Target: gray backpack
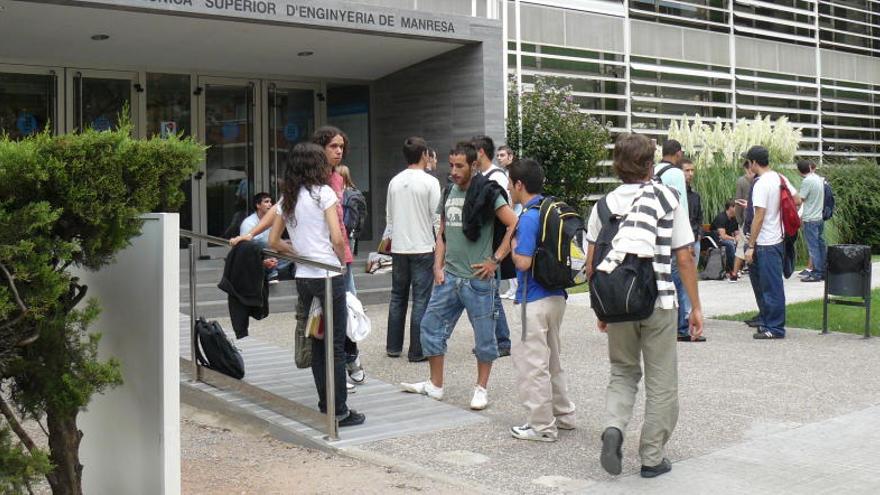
{"x": 715, "y": 268}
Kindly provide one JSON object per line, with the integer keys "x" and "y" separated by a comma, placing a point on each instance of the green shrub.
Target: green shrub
{"x": 567, "y": 142}
{"x": 71, "y": 200}
{"x": 856, "y": 188}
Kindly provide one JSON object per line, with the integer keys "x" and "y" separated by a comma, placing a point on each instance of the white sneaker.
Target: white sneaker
{"x": 508, "y": 295}
{"x": 525, "y": 432}
{"x": 481, "y": 398}
{"x": 350, "y": 387}
{"x": 424, "y": 388}
{"x": 356, "y": 371}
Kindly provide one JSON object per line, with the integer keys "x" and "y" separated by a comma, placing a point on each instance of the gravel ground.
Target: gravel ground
{"x": 218, "y": 457}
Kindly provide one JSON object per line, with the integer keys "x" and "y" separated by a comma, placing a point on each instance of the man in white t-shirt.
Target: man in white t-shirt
{"x": 411, "y": 220}
{"x": 766, "y": 249}
{"x": 262, "y": 203}
{"x": 485, "y": 153}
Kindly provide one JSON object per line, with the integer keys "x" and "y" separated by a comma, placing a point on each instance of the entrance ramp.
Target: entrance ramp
{"x": 390, "y": 412}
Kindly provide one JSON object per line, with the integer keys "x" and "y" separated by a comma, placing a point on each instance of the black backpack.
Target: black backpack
{"x": 214, "y": 351}
{"x": 354, "y": 211}
{"x": 629, "y": 292}
{"x": 828, "y": 208}
{"x": 558, "y": 261}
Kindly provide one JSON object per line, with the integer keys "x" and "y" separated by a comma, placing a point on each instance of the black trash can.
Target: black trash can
{"x": 848, "y": 274}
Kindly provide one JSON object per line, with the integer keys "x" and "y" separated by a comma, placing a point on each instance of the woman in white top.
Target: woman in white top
{"x": 308, "y": 211}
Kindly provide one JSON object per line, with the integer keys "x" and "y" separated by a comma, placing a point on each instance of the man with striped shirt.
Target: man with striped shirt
{"x": 668, "y": 235}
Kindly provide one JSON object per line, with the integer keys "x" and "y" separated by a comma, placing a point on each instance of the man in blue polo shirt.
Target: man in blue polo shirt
{"x": 540, "y": 380}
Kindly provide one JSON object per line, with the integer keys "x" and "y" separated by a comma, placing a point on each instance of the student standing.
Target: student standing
{"x": 540, "y": 379}
{"x": 308, "y": 211}
{"x": 411, "y": 219}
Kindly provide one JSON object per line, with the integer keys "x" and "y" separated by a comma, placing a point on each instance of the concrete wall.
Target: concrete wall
{"x": 444, "y": 99}
{"x": 131, "y": 434}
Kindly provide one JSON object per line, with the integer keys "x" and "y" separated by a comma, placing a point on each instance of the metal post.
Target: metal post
{"x": 825, "y": 306}
{"x": 193, "y": 341}
{"x": 867, "y": 291}
{"x": 329, "y": 358}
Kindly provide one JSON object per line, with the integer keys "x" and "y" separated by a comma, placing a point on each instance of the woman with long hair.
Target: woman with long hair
{"x": 308, "y": 211}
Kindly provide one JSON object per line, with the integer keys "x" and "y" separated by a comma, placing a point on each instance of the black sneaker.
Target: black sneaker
{"x": 753, "y": 322}
{"x": 503, "y": 351}
{"x": 653, "y": 471}
{"x": 354, "y": 418}
{"x": 812, "y": 278}
{"x": 417, "y": 359}
{"x": 687, "y": 338}
{"x": 612, "y": 440}
{"x": 393, "y": 354}
{"x": 764, "y": 334}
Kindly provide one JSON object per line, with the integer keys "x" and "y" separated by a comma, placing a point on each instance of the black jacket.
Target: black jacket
{"x": 695, "y": 212}
{"x": 245, "y": 282}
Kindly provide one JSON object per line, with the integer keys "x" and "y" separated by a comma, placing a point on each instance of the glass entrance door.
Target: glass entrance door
{"x": 28, "y": 101}
{"x": 229, "y": 124}
{"x": 291, "y": 119}
{"x": 96, "y": 99}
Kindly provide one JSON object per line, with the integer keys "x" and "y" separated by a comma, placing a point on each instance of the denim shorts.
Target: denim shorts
{"x": 448, "y": 301}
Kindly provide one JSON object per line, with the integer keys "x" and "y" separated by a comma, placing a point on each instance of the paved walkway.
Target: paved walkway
{"x": 790, "y": 416}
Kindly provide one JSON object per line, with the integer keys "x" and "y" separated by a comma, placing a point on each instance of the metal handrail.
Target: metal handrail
{"x": 329, "y": 372}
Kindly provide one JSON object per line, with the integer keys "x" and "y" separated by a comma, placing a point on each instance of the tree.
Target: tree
{"x": 566, "y": 141}
{"x": 71, "y": 200}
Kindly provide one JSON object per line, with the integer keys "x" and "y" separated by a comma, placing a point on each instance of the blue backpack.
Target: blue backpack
{"x": 828, "y": 208}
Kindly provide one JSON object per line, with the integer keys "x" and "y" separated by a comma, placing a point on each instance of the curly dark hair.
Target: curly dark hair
{"x": 306, "y": 167}
{"x": 323, "y": 135}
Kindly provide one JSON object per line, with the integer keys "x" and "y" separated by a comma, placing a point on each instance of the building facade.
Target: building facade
{"x": 249, "y": 78}
{"x": 638, "y": 64}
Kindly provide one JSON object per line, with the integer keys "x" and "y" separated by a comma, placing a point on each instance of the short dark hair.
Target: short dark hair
{"x": 747, "y": 164}
{"x": 259, "y": 197}
{"x": 633, "y": 157}
{"x": 729, "y": 204}
{"x": 413, "y": 149}
{"x": 506, "y": 148}
{"x": 323, "y": 135}
{"x": 484, "y": 143}
{"x": 805, "y": 166}
{"x": 671, "y": 147}
{"x": 529, "y": 172}
{"x": 685, "y": 160}
{"x": 467, "y": 149}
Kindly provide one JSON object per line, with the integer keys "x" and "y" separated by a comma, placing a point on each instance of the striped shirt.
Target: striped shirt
{"x": 655, "y": 224}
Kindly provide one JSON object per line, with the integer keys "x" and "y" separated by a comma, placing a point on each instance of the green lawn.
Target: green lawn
{"x": 808, "y": 314}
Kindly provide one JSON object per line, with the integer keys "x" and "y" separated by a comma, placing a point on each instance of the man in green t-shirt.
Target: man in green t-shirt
{"x": 464, "y": 273}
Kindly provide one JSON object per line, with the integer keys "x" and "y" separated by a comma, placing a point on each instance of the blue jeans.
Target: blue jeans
{"x": 448, "y": 301}
{"x": 502, "y": 330}
{"x": 308, "y": 289}
{"x": 729, "y": 252}
{"x": 684, "y": 304}
{"x": 697, "y": 253}
{"x": 814, "y": 233}
{"x": 414, "y": 270}
{"x": 766, "y": 277}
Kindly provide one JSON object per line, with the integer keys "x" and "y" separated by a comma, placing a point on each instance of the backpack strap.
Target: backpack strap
{"x": 604, "y": 211}
{"x": 658, "y": 175}
{"x": 523, "y": 303}
{"x": 446, "y": 191}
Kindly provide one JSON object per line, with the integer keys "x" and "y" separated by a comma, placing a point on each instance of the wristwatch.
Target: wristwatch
{"x": 494, "y": 259}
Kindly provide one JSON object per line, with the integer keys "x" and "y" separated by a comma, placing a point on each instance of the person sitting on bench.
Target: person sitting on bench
{"x": 724, "y": 230}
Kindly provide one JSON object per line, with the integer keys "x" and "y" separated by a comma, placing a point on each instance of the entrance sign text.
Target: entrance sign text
{"x": 332, "y": 14}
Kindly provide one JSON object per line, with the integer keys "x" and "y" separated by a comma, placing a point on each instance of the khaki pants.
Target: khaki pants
{"x": 654, "y": 339}
{"x": 540, "y": 379}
